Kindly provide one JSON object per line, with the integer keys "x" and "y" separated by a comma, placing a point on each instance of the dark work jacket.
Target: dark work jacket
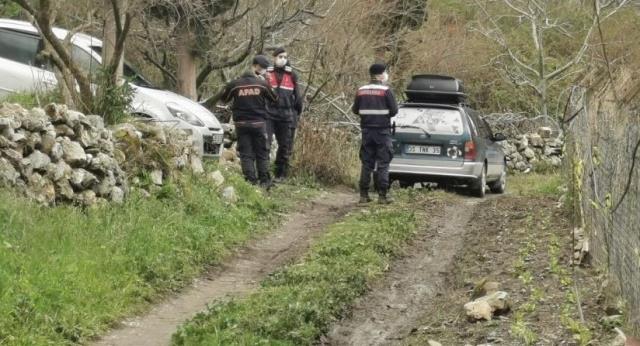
{"x": 250, "y": 96}
{"x": 285, "y": 84}
{"x": 376, "y": 105}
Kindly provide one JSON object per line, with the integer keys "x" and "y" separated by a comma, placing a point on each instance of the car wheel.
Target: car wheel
{"x": 500, "y": 185}
{"x": 478, "y": 187}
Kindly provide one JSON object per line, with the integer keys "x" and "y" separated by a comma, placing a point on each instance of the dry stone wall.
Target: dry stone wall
{"x": 57, "y": 155}
{"x": 524, "y": 152}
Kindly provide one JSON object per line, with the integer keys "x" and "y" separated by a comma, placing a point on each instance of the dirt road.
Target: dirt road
{"x": 388, "y": 313}
{"x": 238, "y": 275}
{"x": 522, "y": 243}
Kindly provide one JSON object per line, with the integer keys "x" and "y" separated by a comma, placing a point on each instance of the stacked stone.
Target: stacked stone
{"x": 56, "y": 154}
{"x": 525, "y": 151}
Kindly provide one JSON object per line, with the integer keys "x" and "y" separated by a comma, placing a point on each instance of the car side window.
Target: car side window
{"x": 480, "y": 124}
{"x": 472, "y": 123}
{"x": 487, "y": 127}
{"x": 19, "y": 47}
{"x": 85, "y": 60}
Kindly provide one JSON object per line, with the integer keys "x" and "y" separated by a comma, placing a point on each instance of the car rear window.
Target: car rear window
{"x": 440, "y": 121}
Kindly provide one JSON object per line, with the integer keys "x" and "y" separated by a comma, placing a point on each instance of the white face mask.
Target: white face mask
{"x": 281, "y": 61}
{"x": 385, "y": 78}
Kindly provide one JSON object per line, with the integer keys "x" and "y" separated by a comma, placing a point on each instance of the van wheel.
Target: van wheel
{"x": 500, "y": 185}
{"x": 478, "y": 187}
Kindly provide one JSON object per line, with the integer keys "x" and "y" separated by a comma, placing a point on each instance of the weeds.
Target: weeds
{"x": 326, "y": 154}
{"x": 34, "y": 99}
{"x": 579, "y": 330}
{"x": 113, "y": 102}
{"x": 530, "y": 185}
{"x": 520, "y": 329}
{"x": 66, "y": 274}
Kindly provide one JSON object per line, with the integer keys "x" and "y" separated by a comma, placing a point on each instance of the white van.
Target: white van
{"x": 22, "y": 69}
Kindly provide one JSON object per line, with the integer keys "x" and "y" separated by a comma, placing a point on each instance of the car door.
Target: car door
{"x": 495, "y": 158}
{"x": 21, "y": 66}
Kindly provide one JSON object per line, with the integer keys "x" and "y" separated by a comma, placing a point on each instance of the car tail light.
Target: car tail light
{"x": 470, "y": 150}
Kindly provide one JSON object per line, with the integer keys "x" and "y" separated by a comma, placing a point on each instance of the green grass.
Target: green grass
{"x": 33, "y": 99}
{"x": 536, "y": 185}
{"x": 298, "y": 304}
{"x": 66, "y": 274}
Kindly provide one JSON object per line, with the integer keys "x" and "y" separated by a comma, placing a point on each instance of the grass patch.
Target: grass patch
{"x": 297, "y": 305}
{"x": 66, "y": 273}
{"x": 536, "y": 185}
{"x": 32, "y": 99}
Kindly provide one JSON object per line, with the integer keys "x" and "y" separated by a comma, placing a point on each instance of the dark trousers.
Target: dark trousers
{"x": 377, "y": 149}
{"x": 282, "y": 131}
{"x": 292, "y": 141}
{"x": 254, "y": 152}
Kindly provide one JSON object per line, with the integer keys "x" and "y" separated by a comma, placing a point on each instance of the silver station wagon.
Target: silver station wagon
{"x": 438, "y": 138}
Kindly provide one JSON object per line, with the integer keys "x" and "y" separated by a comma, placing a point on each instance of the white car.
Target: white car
{"x": 22, "y": 69}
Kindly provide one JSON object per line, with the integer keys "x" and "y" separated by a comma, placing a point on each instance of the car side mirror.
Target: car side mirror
{"x": 499, "y": 137}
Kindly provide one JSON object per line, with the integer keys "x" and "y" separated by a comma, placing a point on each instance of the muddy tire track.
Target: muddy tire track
{"x": 391, "y": 310}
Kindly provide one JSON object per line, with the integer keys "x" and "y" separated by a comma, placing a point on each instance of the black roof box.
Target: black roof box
{"x": 429, "y": 88}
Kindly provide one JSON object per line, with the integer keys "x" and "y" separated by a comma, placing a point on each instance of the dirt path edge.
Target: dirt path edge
{"x": 237, "y": 276}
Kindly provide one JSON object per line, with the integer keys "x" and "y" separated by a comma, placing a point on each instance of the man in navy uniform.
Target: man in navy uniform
{"x": 283, "y": 114}
{"x": 250, "y": 94}
{"x": 376, "y": 105}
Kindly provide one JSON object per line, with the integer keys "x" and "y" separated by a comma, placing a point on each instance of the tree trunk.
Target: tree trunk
{"x": 538, "y": 39}
{"x": 187, "y": 65}
{"x": 109, "y": 39}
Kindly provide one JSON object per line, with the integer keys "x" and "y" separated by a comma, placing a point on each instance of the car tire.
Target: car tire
{"x": 478, "y": 187}
{"x": 500, "y": 185}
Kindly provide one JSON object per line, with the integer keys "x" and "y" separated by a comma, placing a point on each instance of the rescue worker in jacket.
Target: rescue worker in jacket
{"x": 250, "y": 94}
{"x": 376, "y": 105}
{"x": 283, "y": 114}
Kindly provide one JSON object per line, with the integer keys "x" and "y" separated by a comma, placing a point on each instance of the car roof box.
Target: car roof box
{"x": 428, "y": 88}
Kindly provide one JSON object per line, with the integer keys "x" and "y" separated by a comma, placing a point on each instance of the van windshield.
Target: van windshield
{"x": 439, "y": 121}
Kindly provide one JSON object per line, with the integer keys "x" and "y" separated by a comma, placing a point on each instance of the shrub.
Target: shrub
{"x": 326, "y": 153}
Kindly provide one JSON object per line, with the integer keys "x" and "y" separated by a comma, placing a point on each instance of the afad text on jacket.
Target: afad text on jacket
{"x": 250, "y": 96}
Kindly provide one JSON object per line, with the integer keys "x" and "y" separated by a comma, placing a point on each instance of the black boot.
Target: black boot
{"x": 281, "y": 173}
{"x": 383, "y": 198}
{"x": 364, "y": 197}
{"x": 267, "y": 185}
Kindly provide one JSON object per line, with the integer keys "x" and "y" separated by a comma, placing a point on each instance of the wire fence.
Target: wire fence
{"x": 603, "y": 136}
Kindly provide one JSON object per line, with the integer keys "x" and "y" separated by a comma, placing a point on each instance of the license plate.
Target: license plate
{"x": 423, "y": 149}
{"x": 217, "y": 139}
